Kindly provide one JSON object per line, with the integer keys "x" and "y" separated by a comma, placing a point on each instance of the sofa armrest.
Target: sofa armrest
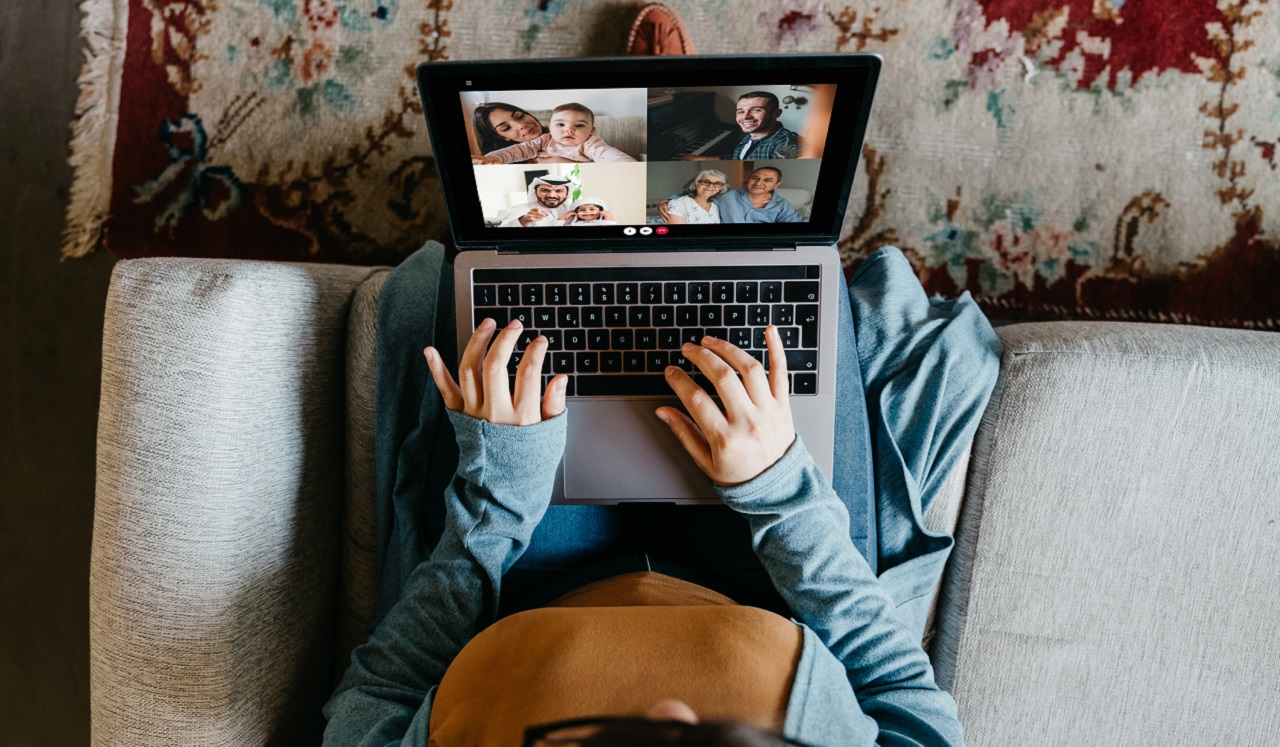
{"x": 219, "y": 487}
{"x": 1118, "y": 550}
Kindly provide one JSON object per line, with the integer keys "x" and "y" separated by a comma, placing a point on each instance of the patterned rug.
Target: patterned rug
{"x": 1086, "y": 159}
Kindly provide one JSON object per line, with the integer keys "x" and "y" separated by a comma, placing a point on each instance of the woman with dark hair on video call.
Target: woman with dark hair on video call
{"x": 499, "y": 125}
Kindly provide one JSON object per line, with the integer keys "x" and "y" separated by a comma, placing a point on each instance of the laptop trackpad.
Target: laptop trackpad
{"x": 619, "y": 450}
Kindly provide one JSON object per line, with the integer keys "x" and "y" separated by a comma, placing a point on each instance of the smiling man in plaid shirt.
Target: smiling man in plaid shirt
{"x": 763, "y": 137}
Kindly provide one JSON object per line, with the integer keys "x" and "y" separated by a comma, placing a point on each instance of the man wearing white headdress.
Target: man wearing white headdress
{"x": 547, "y": 204}
{"x": 589, "y": 211}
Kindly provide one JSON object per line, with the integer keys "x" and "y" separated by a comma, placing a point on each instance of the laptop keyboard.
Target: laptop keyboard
{"x": 613, "y": 331}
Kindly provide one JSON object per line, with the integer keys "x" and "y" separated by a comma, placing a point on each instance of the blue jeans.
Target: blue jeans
{"x": 707, "y": 545}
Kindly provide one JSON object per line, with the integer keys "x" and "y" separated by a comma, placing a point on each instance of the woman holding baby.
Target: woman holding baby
{"x": 520, "y": 138}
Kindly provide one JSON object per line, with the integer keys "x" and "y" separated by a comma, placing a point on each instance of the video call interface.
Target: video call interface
{"x": 647, "y": 160}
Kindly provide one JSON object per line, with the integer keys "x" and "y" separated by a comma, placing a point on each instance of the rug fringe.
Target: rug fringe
{"x": 103, "y": 28}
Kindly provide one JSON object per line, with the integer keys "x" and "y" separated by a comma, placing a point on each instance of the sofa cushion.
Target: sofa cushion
{"x": 1118, "y": 553}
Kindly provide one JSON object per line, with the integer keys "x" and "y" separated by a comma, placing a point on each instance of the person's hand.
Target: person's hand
{"x": 533, "y": 216}
{"x": 482, "y": 390}
{"x": 484, "y": 160}
{"x": 662, "y": 210}
{"x": 755, "y": 428}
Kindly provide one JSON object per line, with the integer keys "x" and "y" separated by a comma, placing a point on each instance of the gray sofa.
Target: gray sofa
{"x": 1115, "y": 578}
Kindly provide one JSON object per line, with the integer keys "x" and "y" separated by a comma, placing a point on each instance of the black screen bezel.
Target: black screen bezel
{"x": 441, "y": 83}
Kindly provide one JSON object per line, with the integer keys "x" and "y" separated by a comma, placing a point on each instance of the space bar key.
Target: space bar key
{"x": 621, "y": 385}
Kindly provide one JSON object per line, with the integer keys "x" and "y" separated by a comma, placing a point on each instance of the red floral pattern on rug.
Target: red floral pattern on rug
{"x": 1092, "y": 159}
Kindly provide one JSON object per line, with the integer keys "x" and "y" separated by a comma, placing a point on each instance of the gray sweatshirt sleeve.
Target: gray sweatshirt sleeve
{"x": 498, "y": 495}
{"x": 800, "y": 531}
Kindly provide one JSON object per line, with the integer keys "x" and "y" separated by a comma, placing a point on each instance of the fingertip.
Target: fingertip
{"x": 662, "y": 415}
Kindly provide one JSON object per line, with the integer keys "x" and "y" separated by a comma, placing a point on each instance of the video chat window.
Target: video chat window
{"x": 634, "y": 156}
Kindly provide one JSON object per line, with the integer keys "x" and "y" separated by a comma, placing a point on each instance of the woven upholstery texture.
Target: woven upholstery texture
{"x": 216, "y": 532}
{"x": 1119, "y": 547}
{"x": 359, "y": 586}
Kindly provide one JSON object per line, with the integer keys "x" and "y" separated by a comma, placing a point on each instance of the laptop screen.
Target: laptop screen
{"x": 704, "y": 151}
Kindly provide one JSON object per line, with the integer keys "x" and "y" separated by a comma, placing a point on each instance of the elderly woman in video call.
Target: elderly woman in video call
{"x": 697, "y": 204}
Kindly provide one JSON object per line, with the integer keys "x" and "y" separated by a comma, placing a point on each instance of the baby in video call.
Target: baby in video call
{"x": 589, "y": 211}
{"x": 571, "y": 137}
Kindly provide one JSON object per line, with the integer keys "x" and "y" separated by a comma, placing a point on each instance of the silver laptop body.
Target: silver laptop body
{"x": 618, "y": 450}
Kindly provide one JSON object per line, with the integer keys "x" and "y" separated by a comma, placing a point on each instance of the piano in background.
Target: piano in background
{"x": 684, "y": 124}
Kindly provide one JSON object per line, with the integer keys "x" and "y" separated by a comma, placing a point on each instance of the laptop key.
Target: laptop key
{"x": 484, "y": 295}
{"x": 531, "y": 295}
{"x": 664, "y": 316}
{"x": 669, "y": 339}
{"x": 602, "y": 294}
{"x": 622, "y": 339}
{"x": 615, "y": 316}
{"x": 588, "y": 362}
{"x": 623, "y": 385}
{"x": 658, "y": 361}
{"x": 555, "y": 340}
{"x": 646, "y": 339}
{"x": 562, "y": 363}
{"x": 639, "y": 316}
{"x": 709, "y": 316}
{"x": 557, "y": 294}
{"x": 673, "y": 293}
{"x": 802, "y": 360}
{"x": 770, "y": 291}
{"x": 526, "y": 338}
{"x": 575, "y": 339}
{"x": 611, "y": 362}
{"x": 633, "y": 361}
{"x": 746, "y": 292}
{"x": 807, "y": 318}
{"x": 544, "y": 317}
{"x": 598, "y": 339}
{"x": 567, "y": 317}
{"x": 722, "y": 293}
{"x": 699, "y": 293}
{"x": 758, "y": 315}
{"x": 735, "y": 315}
{"x": 804, "y": 383}
{"x": 790, "y": 336}
{"x": 579, "y": 294}
{"x": 651, "y": 293}
{"x": 522, "y": 314}
{"x": 740, "y": 336}
{"x": 628, "y": 293}
{"x": 509, "y": 295}
{"x": 801, "y": 291}
{"x": 593, "y": 316}
{"x": 693, "y": 335}
{"x": 687, "y": 316}
{"x": 784, "y": 314}
{"x": 496, "y": 313}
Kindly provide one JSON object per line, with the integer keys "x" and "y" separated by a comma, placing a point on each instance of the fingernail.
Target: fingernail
{"x": 671, "y": 370}
{"x": 708, "y": 338}
{"x": 560, "y": 383}
{"x": 431, "y": 356}
{"x": 515, "y": 324}
{"x": 663, "y": 417}
{"x": 487, "y": 323}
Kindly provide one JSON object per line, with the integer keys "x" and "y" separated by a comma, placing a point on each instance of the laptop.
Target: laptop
{"x": 578, "y": 191}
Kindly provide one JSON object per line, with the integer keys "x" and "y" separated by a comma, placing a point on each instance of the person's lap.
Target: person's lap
{"x": 708, "y": 545}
